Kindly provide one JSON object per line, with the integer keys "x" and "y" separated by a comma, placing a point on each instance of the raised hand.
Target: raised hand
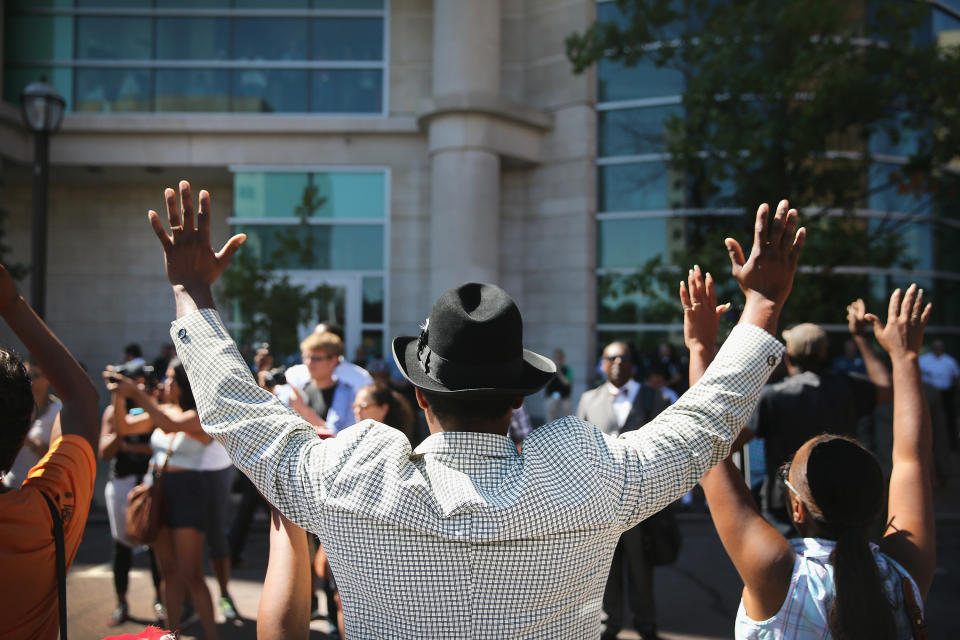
{"x": 191, "y": 262}
{"x": 701, "y": 314}
{"x": 769, "y": 270}
{"x": 856, "y": 317}
{"x": 906, "y": 320}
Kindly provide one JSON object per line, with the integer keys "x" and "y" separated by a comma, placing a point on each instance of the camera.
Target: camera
{"x": 132, "y": 371}
{"x": 277, "y": 375}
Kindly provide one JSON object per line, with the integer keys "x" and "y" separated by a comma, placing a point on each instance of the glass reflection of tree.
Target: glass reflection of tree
{"x": 267, "y": 306}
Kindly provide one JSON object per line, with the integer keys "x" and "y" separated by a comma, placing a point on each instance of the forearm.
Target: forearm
{"x": 912, "y": 438}
{"x": 877, "y": 372}
{"x": 190, "y": 299}
{"x": 110, "y": 445}
{"x": 701, "y": 355}
{"x": 286, "y": 614}
{"x": 67, "y": 377}
{"x": 762, "y": 312}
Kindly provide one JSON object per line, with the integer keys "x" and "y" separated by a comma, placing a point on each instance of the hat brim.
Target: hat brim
{"x": 536, "y": 373}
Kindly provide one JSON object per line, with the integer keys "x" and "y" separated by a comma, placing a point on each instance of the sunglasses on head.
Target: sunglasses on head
{"x": 784, "y": 474}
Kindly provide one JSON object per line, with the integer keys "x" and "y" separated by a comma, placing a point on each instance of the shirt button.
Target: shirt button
{"x": 182, "y": 334}
{"x": 771, "y": 360}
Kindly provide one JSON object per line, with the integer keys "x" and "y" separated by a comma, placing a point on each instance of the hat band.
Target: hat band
{"x": 458, "y": 375}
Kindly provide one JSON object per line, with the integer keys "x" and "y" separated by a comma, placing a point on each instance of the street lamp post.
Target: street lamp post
{"x": 42, "y": 112}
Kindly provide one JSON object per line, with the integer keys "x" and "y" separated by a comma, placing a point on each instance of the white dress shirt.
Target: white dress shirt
{"x": 466, "y": 537}
{"x": 623, "y": 399}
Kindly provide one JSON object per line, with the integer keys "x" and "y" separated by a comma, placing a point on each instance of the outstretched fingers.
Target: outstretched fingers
{"x": 173, "y": 213}
{"x": 203, "y": 216}
{"x": 906, "y": 306}
{"x": 779, "y": 224}
{"x": 186, "y": 206}
{"x": 158, "y": 229}
{"x": 230, "y": 248}
{"x": 760, "y": 227}
{"x": 736, "y": 255}
{"x": 893, "y": 309}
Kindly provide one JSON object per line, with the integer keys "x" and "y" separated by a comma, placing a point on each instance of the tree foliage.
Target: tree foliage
{"x": 267, "y": 306}
{"x": 797, "y": 99}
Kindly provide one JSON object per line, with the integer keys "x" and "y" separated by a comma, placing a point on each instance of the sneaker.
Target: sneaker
{"x": 160, "y": 612}
{"x": 119, "y": 615}
{"x": 188, "y": 615}
{"x": 227, "y": 609}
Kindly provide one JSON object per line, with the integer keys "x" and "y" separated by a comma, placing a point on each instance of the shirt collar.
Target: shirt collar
{"x": 627, "y": 389}
{"x": 468, "y": 443}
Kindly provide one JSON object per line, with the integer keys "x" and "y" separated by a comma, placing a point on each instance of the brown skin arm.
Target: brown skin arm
{"x": 285, "y": 612}
{"x": 910, "y": 537}
{"x": 876, "y": 370}
{"x": 166, "y": 418}
{"x": 763, "y": 558}
{"x": 80, "y": 413}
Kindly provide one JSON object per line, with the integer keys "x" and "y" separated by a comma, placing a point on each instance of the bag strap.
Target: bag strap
{"x": 914, "y": 613}
{"x": 166, "y": 457}
{"x": 61, "y": 564}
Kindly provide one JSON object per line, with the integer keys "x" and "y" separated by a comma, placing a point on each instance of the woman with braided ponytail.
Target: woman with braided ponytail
{"x": 832, "y": 582}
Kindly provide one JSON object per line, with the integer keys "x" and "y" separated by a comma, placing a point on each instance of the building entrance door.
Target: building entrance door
{"x": 338, "y": 300}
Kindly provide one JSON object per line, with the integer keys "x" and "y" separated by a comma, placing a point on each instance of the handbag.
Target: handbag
{"x": 661, "y": 538}
{"x": 145, "y": 506}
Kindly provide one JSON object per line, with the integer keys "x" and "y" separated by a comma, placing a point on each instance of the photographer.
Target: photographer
{"x": 175, "y": 427}
{"x": 129, "y": 457}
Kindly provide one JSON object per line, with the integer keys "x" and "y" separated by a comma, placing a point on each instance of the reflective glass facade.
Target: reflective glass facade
{"x": 642, "y": 209}
{"x": 312, "y": 56}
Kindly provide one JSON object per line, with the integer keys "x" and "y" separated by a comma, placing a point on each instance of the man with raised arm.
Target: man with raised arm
{"x": 61, "y": 482}
{"x": 465, "y": 536}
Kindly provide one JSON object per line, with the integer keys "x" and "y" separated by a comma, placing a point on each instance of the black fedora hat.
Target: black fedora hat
{"x": 472, "y": 344}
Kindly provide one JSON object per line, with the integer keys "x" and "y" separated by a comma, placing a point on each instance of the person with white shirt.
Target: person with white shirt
{"x": 619, "y": 405}
{"x": 35, "y": 445}
{"x": 940, "y": 370}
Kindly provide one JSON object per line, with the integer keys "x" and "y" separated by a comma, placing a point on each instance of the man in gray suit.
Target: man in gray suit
{"x": 619, "y": 405}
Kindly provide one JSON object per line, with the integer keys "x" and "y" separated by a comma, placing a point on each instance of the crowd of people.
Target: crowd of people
{"x": 392, "y": 490}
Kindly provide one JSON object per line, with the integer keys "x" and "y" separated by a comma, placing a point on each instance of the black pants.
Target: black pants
{"x": 250, "y": 500}
{"x": 122, "y": 561}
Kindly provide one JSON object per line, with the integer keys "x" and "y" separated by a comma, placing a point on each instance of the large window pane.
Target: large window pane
{"x": 16, "y": 79}
{"x": 350, "y": 195}
{"x": 637, "y": 187}
{"x": 114, "y": 38}
{"x": 270, "y": 91}
{"x": 270, "y": 39}
{"x": 630, "y": 243}
{"x": 635, "y": 131}
{"x": 347, "y": 4}
{"x": 347, "y": 39}
{"x": 344, "y": 247}
{"x": 884, "y": 194}
{"x": 193, "y": 39}
{"x": 192, "y": 90}
{"x": 269, "y": 195}
{"x": 618, "y": 82}
{"x": 372, "y": 300}
{"x": 113, "y": 90}
{"x": 37, "y": 38}
{"x": 347, "y": 91}
{"x": 372, "y": 340}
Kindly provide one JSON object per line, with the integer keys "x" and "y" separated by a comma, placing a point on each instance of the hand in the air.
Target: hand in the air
{"x": 906, "y": 320}
{"x": 772, "y": 263}
{"x": 701, "y": 314}
{"x": 190, "y": 260}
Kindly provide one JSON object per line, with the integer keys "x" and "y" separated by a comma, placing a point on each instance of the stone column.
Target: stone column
{"x": 465, "y": 193}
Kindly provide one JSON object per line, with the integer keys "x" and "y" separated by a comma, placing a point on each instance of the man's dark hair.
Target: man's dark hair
{"x": 464, "y": 411}
{"x": 187, "y": 402}
{"x": 133, "y": 350}
{"x": 16, "y": 407}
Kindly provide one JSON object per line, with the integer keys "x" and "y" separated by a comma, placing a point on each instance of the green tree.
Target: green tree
{"x": 793, "y": 99}
{"x": 267, "y": 306}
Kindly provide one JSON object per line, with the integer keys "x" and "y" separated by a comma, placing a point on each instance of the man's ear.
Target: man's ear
{"x": 421, "y": 398}
{"x": 798, "y": 511}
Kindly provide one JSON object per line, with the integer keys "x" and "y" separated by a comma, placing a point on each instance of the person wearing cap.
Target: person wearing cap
{"x": 466, "y": 537}
{"x": 811, "y": 400}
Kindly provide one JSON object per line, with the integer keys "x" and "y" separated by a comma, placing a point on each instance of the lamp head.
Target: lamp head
{"x": 42, "y": 107}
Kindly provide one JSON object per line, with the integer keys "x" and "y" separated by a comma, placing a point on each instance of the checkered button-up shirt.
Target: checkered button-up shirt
{"x": 464, "y": 537}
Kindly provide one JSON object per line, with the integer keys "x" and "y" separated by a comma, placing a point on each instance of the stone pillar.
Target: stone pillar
{"x": 465, "y": 176}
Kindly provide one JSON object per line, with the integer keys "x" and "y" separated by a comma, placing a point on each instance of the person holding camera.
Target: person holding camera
{"x": 37, "y": 442}
{"x": 129, "y": 456}
{"x": 175, "y": 433}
